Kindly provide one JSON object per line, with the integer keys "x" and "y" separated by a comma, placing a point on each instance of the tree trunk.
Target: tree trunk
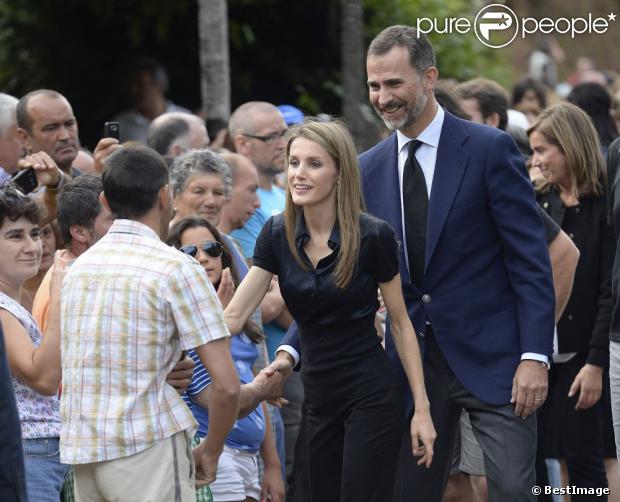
{"x": 214, "y": 58}
{"x": 355, "y": 109}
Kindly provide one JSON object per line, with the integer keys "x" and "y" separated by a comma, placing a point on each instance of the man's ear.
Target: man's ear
{"x": 430, "y": 77}
{"x": 163, "y": 197}
{"x": 242, "y": 144}
{"x": 175, "y": 150}
{"x": 492, "y": 120}
{"x": 79, "y": 234}
{"x": 104, "y": 201}
{"x": 24, "y": 139}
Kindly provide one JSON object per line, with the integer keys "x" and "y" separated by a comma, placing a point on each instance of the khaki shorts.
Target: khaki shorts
{"x": 163, "y": 473}
{"x": 467, "y": 456}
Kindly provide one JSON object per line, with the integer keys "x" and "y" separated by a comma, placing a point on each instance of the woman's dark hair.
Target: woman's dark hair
{"x": 250, "y": 328}
{"x": 594, "y": 99}
{"x": 529, "y": 84}
{"x": 14, "y": 205}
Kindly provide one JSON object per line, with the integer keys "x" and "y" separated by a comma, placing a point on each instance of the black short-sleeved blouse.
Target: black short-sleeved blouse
{"x": 342, "y": 355}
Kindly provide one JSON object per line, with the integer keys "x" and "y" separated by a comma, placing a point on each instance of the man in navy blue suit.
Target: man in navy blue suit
{"x": 474, "y": 266}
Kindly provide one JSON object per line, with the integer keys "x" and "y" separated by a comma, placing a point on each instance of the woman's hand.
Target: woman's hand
{"x": 589, "y": 384}
{"x": 423, "y": 431}
{"x": 272, "y": 486}
{"x": 226, "y": 289}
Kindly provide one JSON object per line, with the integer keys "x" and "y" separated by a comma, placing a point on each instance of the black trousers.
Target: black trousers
{"x": 575, "y": 436}
{"x": 508, "y": 442}
{"x": 353, "y": 447}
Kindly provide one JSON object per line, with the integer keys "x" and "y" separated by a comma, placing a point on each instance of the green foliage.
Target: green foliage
{"x": 282, "y": 51}
{"x": 459, "y": 56}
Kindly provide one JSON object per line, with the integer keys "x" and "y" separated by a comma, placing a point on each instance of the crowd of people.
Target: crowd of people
{"x": 197, "y": 313}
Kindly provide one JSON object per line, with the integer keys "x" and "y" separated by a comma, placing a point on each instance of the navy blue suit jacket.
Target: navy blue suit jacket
{"x": 487, "y": 272}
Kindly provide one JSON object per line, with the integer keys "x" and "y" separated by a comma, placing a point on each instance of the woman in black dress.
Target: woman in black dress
{"x": 330, "y": 258}
{"x": 568, "y": 154}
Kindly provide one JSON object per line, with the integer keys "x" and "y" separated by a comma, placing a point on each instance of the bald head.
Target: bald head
{"x": 172, "y": 134}
{"x": 243, "y": 200}
{"x": 257, "y": 129}
{"x": 244, "y": 119}
{"x": 24, "y": 120}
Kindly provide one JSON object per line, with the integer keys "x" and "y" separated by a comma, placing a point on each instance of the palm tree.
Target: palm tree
{"x": 355, "y": 110}
{"x": 214, "y": 58}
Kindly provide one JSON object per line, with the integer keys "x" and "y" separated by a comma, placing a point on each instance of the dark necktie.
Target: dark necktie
{"x": 415, "y": 208}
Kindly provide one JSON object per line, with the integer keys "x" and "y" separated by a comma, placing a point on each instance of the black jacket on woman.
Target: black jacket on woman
{"x": 584, "y": 325}
{"x": 613, "y": 216}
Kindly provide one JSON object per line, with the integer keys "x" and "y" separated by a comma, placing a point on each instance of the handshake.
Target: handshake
{"x": 267, "y": 385}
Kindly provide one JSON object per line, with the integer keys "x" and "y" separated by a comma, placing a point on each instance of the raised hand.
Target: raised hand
{"x": 45, "y": 169}
{"x": 226, "y": 289}
{"x": 103, "y": 149}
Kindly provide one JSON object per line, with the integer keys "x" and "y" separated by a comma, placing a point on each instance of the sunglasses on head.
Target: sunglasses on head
{"x": 9, "y": 191}
{"x": 213, "y": 248}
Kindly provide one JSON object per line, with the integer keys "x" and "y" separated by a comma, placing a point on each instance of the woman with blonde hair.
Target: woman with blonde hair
{"x": 568, "y": 154}
{"x": 330, "y": 257}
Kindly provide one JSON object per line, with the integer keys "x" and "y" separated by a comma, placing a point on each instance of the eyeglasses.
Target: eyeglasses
{"x": 271, "y": 138}
{"x": 213, "y": 248}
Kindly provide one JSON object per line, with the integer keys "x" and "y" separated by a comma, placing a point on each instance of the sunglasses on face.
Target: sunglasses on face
{"x": 213, "y": 248}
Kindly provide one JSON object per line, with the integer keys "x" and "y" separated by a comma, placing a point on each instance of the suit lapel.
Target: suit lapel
{"x": 450, "y": 165}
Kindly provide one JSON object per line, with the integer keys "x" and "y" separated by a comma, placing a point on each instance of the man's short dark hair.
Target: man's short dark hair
{"x": 161, "y": 137}
{"x": 21, "y": 111}
{"x": 491, "y": 97}
{"x": 421, "y": 54}
{"x": 132, "y": 178}
{"x": 78, "y": 204}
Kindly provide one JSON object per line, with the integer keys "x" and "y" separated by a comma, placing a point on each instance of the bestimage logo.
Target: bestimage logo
{"x": 497, "y": 26}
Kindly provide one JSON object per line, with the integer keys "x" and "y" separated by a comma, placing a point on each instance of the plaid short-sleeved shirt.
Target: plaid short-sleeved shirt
{"x": 130, "y": 305}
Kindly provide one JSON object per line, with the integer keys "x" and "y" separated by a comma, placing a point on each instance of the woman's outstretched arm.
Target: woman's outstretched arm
{"x": 422, "y": 429}
{"x": 248, "y": 296}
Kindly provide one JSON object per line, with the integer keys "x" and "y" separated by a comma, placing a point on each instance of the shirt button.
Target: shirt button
{"x": 577, "y": 210}
{"x": 426, "y": 298}
{"x": 571, "y": 235}
{"x": 570, "y": 317}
